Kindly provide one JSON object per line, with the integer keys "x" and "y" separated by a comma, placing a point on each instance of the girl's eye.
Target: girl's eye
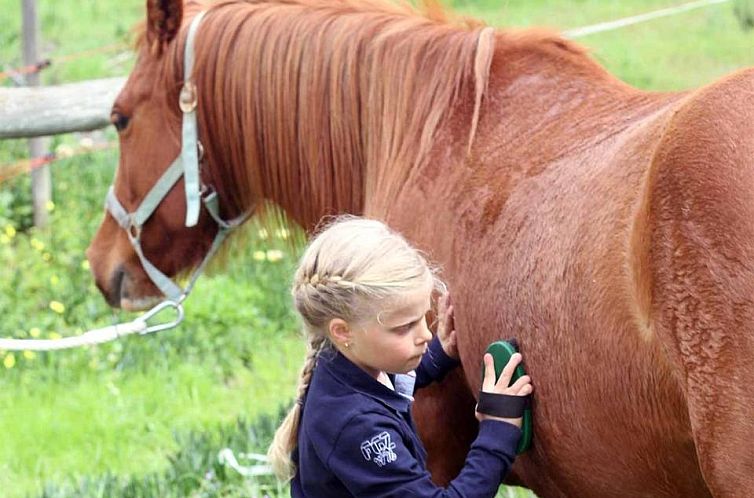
{"x": 406, "y": 328}
{"x": 119, "y": 120}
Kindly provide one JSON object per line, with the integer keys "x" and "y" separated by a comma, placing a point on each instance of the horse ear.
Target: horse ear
{"x": 163, "y": 21}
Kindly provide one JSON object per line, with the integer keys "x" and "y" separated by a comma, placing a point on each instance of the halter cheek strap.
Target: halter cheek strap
{"x": 186, "y": 165}
{"x": 189, "y": 135}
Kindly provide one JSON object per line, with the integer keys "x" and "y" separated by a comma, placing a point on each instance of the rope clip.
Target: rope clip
{"x": 162, "y": 326}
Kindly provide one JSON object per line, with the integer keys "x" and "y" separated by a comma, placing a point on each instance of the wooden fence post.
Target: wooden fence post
{"x": 41, "y": 184}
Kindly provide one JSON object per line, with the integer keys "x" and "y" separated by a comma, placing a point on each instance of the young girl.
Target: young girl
{"x": 363, "y": 293}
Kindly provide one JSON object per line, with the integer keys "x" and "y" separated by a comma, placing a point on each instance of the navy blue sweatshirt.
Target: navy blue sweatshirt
{"x": 357, "y": 438}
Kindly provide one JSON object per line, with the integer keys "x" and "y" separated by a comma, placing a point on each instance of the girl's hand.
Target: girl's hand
{"x": 446, "y": 327}
{"x": 521, "y": 387}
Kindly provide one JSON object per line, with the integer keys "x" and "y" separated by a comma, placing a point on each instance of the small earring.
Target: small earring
{"x": 346, "y": 345}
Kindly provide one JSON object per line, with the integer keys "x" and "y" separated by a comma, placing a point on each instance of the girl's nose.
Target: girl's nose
{"x": 424, "y": 334}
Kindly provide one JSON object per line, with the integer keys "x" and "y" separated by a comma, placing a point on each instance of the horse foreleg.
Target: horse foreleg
{"x": 714, "y": 346}
{"x": 721, "y": 409}
{"x": 444, "y": 414}
{"x": 702, "y": 258}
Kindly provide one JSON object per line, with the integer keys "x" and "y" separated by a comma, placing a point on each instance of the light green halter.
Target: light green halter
{"x": 186, "y": 165}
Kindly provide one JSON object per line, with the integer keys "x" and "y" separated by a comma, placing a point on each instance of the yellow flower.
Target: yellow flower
{"x": 10, "y": 231}
{"x": 54, "y": 280}
{"x": 49, "y": 206}
{"x": 54, "y": 335}
{"x": 46, "y": 256}
{"x": 282, "y": 233}
{"x": 37, "y": 244}
{"x": 9, "y": 361}
{"x": 85, "y": 265}
{"x": 263, "y": 234}
{"x": 274, "y": 255}
{"x": 34, "y": 332}
{"x": 30, "y": 355}
{"x": 259, "y": 255}
{"x": 57, "y": 306}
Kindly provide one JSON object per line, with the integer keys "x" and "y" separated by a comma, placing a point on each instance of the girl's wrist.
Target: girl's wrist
{"x": 449, "y": 351}
{"x": 449, "y": 346}
{"x": 512, "y": 421}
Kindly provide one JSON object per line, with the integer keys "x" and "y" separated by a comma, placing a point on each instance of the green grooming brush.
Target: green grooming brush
{"x": 501, "y": 352}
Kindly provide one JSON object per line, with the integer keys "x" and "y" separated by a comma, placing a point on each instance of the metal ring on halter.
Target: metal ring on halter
{"x": 157, "y": 309}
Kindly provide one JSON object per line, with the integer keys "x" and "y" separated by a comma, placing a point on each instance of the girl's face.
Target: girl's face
{"x": 396, "y": 339}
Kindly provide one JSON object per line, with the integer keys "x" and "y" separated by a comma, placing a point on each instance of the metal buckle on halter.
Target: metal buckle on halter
{"x": 205, "y": 190}
{"x": 187, "y": 98}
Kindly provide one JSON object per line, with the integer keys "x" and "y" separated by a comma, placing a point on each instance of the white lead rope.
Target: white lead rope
{"x": 138, "y": 326}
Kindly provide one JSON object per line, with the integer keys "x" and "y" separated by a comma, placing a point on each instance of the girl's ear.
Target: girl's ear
{"x": 163, "y": 21}
{"x": 340, "y": 332}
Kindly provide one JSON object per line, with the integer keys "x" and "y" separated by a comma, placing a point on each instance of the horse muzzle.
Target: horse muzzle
{"x": 121, "y": 290}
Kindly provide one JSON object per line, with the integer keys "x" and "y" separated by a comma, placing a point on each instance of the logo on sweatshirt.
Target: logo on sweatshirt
{"x": 379, "y": 449}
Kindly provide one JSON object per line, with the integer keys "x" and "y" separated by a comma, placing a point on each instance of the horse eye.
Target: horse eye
{"x": 119, "y": 121}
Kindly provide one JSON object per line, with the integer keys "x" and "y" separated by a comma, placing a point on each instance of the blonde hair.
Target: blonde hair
{"x": 349, "y": 270}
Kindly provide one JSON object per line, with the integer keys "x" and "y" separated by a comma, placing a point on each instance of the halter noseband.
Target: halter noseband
{"x": 186, "y": 165}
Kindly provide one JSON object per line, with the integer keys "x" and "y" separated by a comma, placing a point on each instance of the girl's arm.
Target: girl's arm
{"x": 373, "y": 459}
{"x": 435, "y": 364}
{"x": 442, "y": 354}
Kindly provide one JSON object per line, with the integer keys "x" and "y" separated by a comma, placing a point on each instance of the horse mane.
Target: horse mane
{"x": 314, "y": 102}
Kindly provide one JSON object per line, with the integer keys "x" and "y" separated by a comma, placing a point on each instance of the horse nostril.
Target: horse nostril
{"x": 116, "y": 281}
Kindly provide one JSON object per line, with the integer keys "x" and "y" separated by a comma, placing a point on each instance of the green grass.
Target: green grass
{"x": 70, "y": 27}
{"x": 146, "y": 416}
{"x": 671, "y": 53}
{"x": 118, "y": 422}
{"x": 194, "y": 469}
{"x": 114, "y": 408}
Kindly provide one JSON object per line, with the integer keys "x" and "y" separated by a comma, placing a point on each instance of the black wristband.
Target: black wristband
{"x": 502, "y": 405}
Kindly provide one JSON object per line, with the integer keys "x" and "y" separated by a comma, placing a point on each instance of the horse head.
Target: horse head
{"x": 284, "y": 116}
{"x": 149, "y": 233}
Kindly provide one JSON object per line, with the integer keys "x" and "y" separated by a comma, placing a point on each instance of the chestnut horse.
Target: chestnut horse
{"x": 610, "y": 230}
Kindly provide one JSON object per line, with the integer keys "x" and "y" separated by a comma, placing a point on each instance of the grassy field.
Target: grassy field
{"x": 147, "y": 416}
{"x": 671, "y": 53}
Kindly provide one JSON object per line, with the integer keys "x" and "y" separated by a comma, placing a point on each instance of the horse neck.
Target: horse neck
{"x": 546, "y": 100}
{"x": 318, "y": 108}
